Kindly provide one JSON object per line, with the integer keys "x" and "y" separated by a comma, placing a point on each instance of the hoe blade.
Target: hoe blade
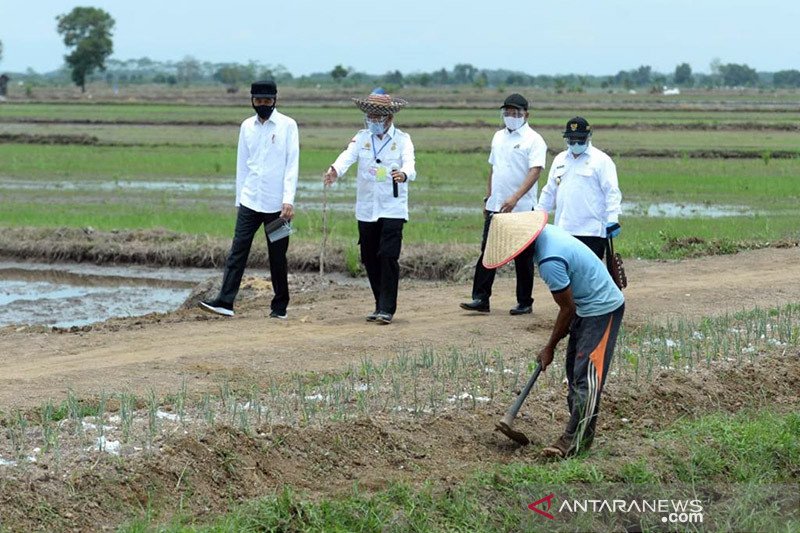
{"x": 509, "y": 431}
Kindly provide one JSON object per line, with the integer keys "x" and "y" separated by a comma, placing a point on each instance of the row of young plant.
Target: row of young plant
{"x": 424, "y": 383}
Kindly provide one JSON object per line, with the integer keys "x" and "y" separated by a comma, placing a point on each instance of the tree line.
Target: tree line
{"x": 87, "y": 32}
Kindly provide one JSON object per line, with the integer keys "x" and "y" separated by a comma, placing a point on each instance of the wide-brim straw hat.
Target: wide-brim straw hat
{"x": 510, "y": 234}
{"x": 380, "y": 104}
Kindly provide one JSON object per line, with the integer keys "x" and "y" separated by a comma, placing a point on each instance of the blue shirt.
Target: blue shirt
{"x": 564, "y": 262}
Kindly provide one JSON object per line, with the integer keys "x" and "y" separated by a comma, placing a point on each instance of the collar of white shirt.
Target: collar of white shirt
{"x": 389, "y": 133}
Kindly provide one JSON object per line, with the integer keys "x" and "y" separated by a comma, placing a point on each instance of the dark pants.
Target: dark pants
{"x": 247, "y": 224}
{"x": 380, "y": 251}
{"x": 484, "y": 277}
{"x": 589, "y": 351}
{"x": 596, "y": 244}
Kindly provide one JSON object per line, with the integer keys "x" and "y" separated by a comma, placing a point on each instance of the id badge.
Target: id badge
{"x": 381, "y": 173}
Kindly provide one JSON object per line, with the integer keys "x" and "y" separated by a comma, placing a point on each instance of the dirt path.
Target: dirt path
{"x": 326, "y": 330}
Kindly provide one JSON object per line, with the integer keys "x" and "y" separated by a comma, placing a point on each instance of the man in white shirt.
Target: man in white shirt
{"x": 267, "y": 167}
{"x": 583, "y": 189}
{"x": 385, "y": 157}
{"x": 517, "y": 158}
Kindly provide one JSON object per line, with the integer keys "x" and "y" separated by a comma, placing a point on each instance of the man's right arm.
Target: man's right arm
{"x": 241, "y": 163}
{"x": 343, "y": 162}
{"x": 566, "y": 313}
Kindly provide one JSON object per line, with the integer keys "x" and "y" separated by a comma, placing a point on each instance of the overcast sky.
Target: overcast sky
{"x": 582, "y": 37}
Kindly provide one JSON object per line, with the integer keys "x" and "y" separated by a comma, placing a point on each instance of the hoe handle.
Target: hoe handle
{"x": 508, "y": 418}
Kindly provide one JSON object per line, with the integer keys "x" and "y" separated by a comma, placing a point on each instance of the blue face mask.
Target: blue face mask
{"x": 578, "y": 149}
{"x": 376, "y": 128}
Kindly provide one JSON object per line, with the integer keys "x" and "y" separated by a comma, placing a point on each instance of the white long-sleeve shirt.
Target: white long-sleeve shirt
{"x": 513, "y": 154}
{"x": 584, "y": 192}
{"x": 267, "y": 164}
{"x": 375, "y": 157}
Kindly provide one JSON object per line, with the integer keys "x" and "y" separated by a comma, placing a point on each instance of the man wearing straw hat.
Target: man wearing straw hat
{"x": 267, "y": 167}
{"x": 517, "y": 159}
{"x": 385, "y": 157}
{"x": 583, "y": 189}
{"x": 590, "y": 312}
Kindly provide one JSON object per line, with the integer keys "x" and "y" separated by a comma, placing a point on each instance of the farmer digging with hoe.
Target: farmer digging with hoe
{"x": 385, "y": 157}
{"x": 590, "y": 312}
{"x": 267, "y": 167}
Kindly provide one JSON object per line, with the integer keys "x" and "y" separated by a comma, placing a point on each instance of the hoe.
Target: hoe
{"x": 506, "y": 424}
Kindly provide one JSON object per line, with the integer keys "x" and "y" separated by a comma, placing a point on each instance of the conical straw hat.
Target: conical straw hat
{"x": 510, "y": 234}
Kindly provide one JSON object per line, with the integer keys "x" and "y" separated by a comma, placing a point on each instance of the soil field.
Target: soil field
{"x": 325, "y": 333}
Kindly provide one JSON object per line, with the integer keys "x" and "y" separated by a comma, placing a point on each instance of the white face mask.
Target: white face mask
{"x": 376, "y": 128}
{"x": 513, "y": 123}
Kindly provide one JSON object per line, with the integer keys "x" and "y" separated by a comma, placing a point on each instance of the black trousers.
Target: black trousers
{"x": 589, "y": 351}
{"x": 484, "y": 277}
{"x": 380, "y": 243}
{"x": 247, "y": 224}
{"x": 595, "y": 244}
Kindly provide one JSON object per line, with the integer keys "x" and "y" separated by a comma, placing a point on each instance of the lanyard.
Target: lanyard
{"x": 374, "y": 152}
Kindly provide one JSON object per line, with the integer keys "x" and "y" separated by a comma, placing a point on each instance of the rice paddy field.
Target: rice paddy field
{"x": 717, "y": 170}
{"x": 183, "y": 422}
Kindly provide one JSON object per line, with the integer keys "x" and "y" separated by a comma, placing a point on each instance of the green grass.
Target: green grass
{"x": 748, "y": 450}
{"x": 446, "y": 198}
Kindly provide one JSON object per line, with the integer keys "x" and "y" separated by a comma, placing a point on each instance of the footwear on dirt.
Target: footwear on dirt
{"x": 217, "y": 307}
{"x": 279, "y": 315}
{"x": 520, "y": 309}
{"x": 480, "y": 306}
{"x": 373, "y": 316}
{"x": 384, "y": 318}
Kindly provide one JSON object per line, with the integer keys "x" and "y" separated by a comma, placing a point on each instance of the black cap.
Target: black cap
{"x": 578, "y": 128}
{"x": 516, "y": 100}
{"x": 264, "y": 89}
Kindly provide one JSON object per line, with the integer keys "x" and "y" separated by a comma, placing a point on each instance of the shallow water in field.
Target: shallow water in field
{"x": 77, "y": 295}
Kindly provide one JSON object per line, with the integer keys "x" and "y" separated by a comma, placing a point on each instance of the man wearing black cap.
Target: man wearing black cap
{"x": 583, "y": 189}
{"x": 266, "y": 180}
{"x": 517, "y": 159}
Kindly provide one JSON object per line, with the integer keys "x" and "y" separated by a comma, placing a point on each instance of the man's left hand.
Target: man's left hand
{"x": 398, "y": 176}
{"x": 509, "y": 205}
{"x": 287, "y": 212}
{"x": 613, "y": 229}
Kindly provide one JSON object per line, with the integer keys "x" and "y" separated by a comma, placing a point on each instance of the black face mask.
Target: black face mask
{"x": 264, "y": 111}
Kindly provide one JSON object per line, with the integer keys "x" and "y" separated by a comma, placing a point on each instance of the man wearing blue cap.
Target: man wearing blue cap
{"x": 386, "y": 165}
{"x": 267, "y": 168}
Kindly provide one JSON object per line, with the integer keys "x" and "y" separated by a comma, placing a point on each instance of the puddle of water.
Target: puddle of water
{"x": 77, "y": 295}
{"x": 50, "y": 304}
{"x": 675, "y": 210}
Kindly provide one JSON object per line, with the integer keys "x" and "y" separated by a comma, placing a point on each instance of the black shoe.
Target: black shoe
{"x": 373, "y": 316}
{"x": 277, "y": 314}
{"x": 215, "y": 306}
{"x": 521, "y": 310}
{"x": 383, "y": 318}
{"x": 481, "y": 306}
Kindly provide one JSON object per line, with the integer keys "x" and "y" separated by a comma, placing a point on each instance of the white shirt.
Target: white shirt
{"x": 513, "y": 154}
{"x": 267, "y": 164}
{"x": 584, "y": 192}
{"x": 374, "y": 192}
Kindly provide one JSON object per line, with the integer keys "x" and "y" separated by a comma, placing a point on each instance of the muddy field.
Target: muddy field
{"x": 324, "y": 335}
